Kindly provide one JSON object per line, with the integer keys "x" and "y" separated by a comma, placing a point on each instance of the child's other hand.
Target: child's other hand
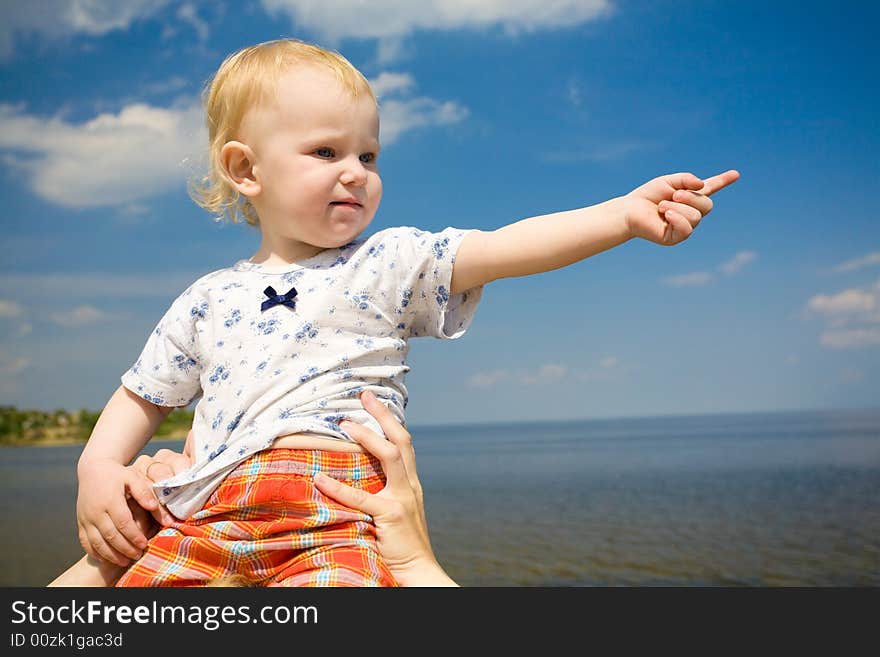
{"x": 666, "y": 210}
{"x": 107, "y": 528}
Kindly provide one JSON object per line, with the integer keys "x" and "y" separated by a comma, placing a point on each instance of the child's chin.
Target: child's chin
{"x": 342, "y": 239}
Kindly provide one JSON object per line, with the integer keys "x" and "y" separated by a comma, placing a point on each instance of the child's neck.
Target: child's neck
{"x": 274, "y": 252}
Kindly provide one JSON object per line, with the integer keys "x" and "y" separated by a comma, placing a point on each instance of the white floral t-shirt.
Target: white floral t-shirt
{"x": 295, "y": 358}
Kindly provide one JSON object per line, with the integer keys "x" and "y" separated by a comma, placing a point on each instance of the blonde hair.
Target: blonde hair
{"x": 244, "y": 79}
{"x": 229, "y": 581}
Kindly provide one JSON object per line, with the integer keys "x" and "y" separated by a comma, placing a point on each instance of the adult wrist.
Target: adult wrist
{"x": 424, "y": 572}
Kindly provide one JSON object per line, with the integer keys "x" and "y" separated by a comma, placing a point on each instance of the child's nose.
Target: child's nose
{"x": 353, "y": 172}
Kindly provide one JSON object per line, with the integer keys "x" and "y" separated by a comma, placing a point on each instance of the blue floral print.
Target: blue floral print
{"x": 347, "y": 333}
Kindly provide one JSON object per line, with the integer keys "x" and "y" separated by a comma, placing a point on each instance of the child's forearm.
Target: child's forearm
{"x": 539, "y": 244}
{"x": 126, "y": 424}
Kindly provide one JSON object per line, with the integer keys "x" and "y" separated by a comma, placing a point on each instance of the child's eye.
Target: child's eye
{"x": 367, "y": 158}
{"x": 324, "y": 152}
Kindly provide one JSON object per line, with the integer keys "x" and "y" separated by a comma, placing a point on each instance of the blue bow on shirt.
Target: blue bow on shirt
{"x": 276, "y": 299}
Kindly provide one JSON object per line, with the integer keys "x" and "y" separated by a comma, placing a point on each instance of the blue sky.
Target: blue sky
{"x": 491, "y": 112}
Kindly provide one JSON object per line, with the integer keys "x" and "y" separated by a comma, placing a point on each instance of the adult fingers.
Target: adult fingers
{"x": 141, "y": 463}
{"x": 159, "y": 471}
{"x": 720, "y": 181}
{"x": 388, "y": 454}
{"x": 174, "y": 461}
{"x": 151, "y": 471}
{"x": 395, "y": 432}
{"x": 353, "y": 498}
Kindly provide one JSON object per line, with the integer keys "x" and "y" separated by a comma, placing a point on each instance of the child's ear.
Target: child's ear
{"x": 237, "y": 159}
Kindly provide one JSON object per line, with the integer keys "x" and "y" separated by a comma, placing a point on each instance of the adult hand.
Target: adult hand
{"x": 398, "y": 510}
{"x": 666, "y": 210}
{"x": 162, "y": 465}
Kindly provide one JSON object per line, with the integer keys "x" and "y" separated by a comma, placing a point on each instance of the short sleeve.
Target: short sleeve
{"x": 167, "y": 373}
{"x": 424, "y": 305}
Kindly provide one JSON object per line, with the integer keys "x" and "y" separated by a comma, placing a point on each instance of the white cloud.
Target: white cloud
{"x": 391, "y": 49}
{"x": 869, "y": 260}
{"x": 144, "y": 150}
{"x": 736, "y": 263}
{"x": 851, "y": 338}
{"x": 80, "y": 316}
{"x": 399, "y": 113}
{"x": 729, "y": 268}
{"x": 390, "y": 83}
{"x": 546, "y": 374}
{"x": 487, "y": 379}
{"x": 334, "y": 20}
{"x": 549, "y": 373}
{"x": 9, "y": 309}
{"x": 172, "y": 85}
{"x": 54, "y": 19}
{"x": 609, "y": 368}
{"x": 848, "y": 302}
{"x": 400, "y": 116}
{"x": 110, "y": 160}
{"x": 688, "y": 280}
{"x": 854, "y": 308}
{"x": 188, "y": 14}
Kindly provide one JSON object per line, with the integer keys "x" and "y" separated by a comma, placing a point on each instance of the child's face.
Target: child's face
{"x": 315, "y": 151}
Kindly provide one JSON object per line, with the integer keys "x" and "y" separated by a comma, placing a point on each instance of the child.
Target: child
{"x": 281, "y": 345}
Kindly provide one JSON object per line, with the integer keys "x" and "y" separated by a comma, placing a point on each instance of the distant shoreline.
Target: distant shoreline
{"x": 65, "y": 442}
{"x": 24, "y": 427}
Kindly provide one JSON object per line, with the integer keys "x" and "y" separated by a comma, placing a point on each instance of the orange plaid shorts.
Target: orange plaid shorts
{"x": 268, "y": 523}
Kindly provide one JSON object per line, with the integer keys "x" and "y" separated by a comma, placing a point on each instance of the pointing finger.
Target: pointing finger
{"x": 720, "y": 181}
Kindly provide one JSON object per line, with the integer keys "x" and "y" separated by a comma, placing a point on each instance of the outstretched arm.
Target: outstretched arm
{"x": 664, "y": 210}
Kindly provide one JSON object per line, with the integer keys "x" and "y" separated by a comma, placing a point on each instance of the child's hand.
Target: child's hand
{"x": 666, "y": 210}
{"x": 107, "y": 528}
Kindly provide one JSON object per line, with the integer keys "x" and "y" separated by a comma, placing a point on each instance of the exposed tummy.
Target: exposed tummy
{"x": 302, "y": 441}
